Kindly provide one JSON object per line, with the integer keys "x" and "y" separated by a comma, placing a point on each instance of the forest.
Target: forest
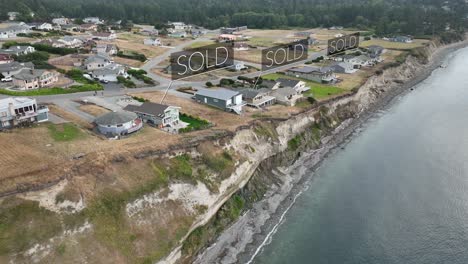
{"x": 415, "y": 17}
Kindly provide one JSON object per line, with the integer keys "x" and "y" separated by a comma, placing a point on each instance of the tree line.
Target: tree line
{"x": 415, "y": 17}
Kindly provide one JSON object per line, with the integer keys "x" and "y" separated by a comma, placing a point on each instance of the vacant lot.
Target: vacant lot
{"x": 395, "y": 45}
{"x": 93, "y": 109}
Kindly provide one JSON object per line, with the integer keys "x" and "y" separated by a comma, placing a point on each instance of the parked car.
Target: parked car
{"x": 7, "y": 79}
{"x": 104, "y": 81}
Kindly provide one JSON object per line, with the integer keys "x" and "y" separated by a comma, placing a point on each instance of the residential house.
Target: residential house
{"x": 109, "y": 73}
{"x": 312, "y": 73}
{"x": 240, "y": 46}
{"x": 258, "y": 97}
{"x": 152, "y": 42}
{"x": 149, "y": 32}
{"x": 238, "y": 66}
{"x": 363, "y": 61}
{"x": 70, "y": 27}
{"x": 34, "y": 79}
{"x": 375, "y": 50}
{"x": 51, "y": 42}
{"x": 156, "y": 114}
{"x": 71, "y": 41}
{"x": 13, "y": 31}
{"x": 104, "y": 35}
{"x": 12, "y": 15}
{"x": 222, "y": 98}
{"x": 343, "y": 67}
{"x": 18, "y": 50}
{"x": 286, "y": 96}
{"x": 9, "y": 69}
{"x": 21, "y": 110}
{"x": 312, "y": 41}
{"x": 45, "y": 27}
{"x": 402, "y": 39}
{"x": 5, "y": 58}
{"x": 118, "y": 123}
{"x": 227, "y": 37}
{"x": 97, "y": 61}
{"x": 88, "y": 27}
{"x": 298, "y": 85}
{"x": 93, "y": 20}
{"x": 179, "y": 26}
{"x": 108, "y": 49}
{"x": 61, "y": 21}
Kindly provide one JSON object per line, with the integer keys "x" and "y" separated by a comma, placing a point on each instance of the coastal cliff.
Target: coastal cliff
{"x": 173, "y": 204}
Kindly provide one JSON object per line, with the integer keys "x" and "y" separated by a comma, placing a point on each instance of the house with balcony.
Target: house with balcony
{"x": 21, "y": 110}
{"x": 221, "y": 98}
{"x": 298, "y": 85}
{"x": 5, "y": 58}
{"x": 18, "y": 50}
{"x": 156, "y": 114}
{"x": 34, "y": 79}
{"x": 258, "y": 98}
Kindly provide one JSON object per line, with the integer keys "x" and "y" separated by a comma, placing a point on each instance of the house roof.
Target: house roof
{"x": 115, "y": 118}
{"x": 252, "y": 93}
{"x": 221, "y": 93}
{"x": 109, "y": 70}
{"x": 14, "y": 28}
{"x": 268, "y": 84}
{"x": 149, "y": 108}
{"x": 14, "y": 49}
{"x": 310, "y": 69}
{"x": 102, "y": 34}
{"x": 284, "y": 92}
{"x": 28, "y": 74}
{"x": 287, "y": 82}
{"x": 4, "y": 103}
{"x": 96, "y": 58}
{"x": 14, "y": 66}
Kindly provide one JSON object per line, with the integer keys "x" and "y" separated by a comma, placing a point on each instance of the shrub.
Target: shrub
{"x": 209, "y": 84}
{"x": 367, "y": 38}
{"x": 132, "y": 55}
{"x": 126, "y": 82}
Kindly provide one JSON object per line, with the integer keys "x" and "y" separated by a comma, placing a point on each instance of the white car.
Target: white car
{"x": 7, "y": 79}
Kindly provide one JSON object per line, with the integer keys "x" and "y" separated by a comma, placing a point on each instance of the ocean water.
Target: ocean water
{"x": 397, "y": 192}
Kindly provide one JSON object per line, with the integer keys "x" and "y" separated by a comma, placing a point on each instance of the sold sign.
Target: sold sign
{"x": 284, "y": 54}
{"x": 344, "y": 43}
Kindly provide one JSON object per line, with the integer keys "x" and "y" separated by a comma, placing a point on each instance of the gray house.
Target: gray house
{"x": 9, "y": 69}
{"x": 156, "y": 114}
{"x": 343, "y": 67}
{"x": 222, "y": 98}
{"x": 118, "y": 123}
{"x": 312, "y": 73}
{"x": 20, "y": 110}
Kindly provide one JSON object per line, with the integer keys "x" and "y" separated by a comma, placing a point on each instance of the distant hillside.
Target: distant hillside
{"x": 416, "y": 17}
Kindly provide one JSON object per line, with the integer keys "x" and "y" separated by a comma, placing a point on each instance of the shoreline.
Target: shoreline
{"x": 245, "y": 238}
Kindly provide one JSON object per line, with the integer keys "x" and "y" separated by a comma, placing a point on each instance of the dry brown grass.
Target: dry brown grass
{"x": 69, "y": 116}
{"x": 93, "y": 109}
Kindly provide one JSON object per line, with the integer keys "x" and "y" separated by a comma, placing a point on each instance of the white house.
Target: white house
{"x": 110, "y": 73}
{"x": 152, "y": 42}
{"x": 104, "y": 35}
{"x": 13, "y": 31}
{"x": 61, "y": 21}
{"x": 45, "y": 26}
{"x": 71, "y": 41}
{"x": 97, "y": 61}
{"x": 298, "y": 85}
{"x": 18, "y": 50}
{"x": 109, "y": 49}
{"x": 93, "y": 20}
{"x": 12, "y": 15}
{"x": 238, "y": 65}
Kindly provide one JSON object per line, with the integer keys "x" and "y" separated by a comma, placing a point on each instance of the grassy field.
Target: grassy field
{"x": 317, "y": 90}
{"x": 54, "y": 90}
{"x": 395, "y": 45}
{"x": 65, "y": 132}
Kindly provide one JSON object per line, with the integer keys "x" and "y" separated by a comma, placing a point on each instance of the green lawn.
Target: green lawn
{"x": 317, "y": 90}
{"x": 195, "y": 123}
{"x": 65, "y": 132}
{"x": 54, "y": 90}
